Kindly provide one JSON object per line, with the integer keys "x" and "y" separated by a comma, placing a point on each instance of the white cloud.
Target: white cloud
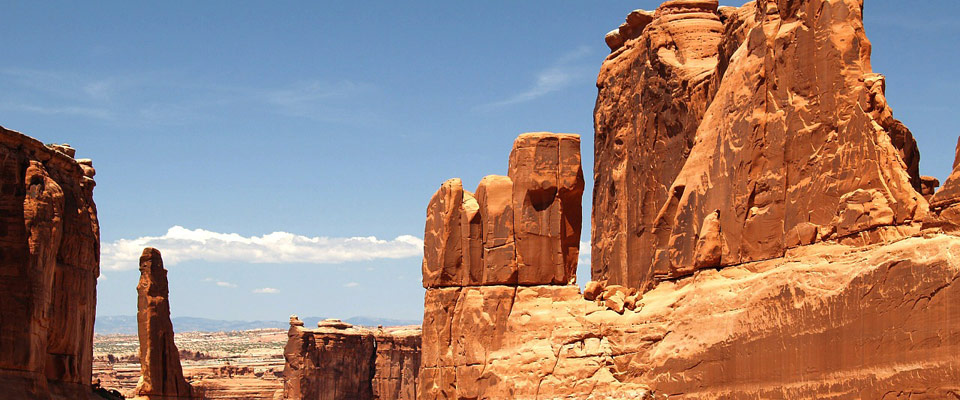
{"x": 351, "y": 285}
{"x": 554, "y": 78}
{"x": 226, "y": 284}
{"x": 266, "y": 290}
{"x": 584, "y": 253}
{"x": 180, "y": 244}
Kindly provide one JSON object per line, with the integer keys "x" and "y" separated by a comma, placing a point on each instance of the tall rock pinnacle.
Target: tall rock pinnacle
{"x": 162, "y": 376}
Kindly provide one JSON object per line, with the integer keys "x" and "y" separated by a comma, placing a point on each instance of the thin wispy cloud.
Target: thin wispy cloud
{"x": 266, "y": 290}
{"x": 319, "y": 100}
{"x": 226, "y": 284}
{"x": 351, "y": 285}
{"x": 170, "y": 98}
{"x": 77, "y": 111}
{"x": 180, "y": 244}
{"x": 564, "y": 72}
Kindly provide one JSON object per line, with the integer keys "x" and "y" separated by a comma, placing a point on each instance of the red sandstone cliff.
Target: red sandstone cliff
{"x": 764, "y": 127}
{"x": 339, "y": 361}
{"x": 397, "y": 366}
{"x": 49, "y": 264}
{"x": 528, "y": 226}
{"x": 758, "y": 231}
{"x": 335, "y": 361}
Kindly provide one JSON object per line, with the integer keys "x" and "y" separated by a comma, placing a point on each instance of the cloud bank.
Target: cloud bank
{"x": 180, "y": 244}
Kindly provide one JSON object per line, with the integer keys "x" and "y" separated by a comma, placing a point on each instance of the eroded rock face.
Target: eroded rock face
{"x": 397, "y": 365}
{"x": 827, "y": 321}
{"x": 340, "y": 361}
{"x": 769, "y": 116}
{"x": 161, "y": 373}
{"x": 944, "y": 214}
{"x": 49, "y": 264}
{"x": 653, "y": 92}
{"x": 530, "y": 236}
{"x": 520, "y": 229}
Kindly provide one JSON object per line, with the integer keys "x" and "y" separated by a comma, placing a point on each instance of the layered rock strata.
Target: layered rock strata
{"x": 161, "y": 373}
{"x": 49, "y": 265}
{"x": 340, "y": 361}
{"x": 762, "y": 127}
{"x": 529, "y": 233}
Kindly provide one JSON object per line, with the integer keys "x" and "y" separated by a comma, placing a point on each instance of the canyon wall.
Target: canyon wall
{"x": 760, "y": 230}
{"x": 729, "y": 135}
{"x": 339, "y": 361}
{"x": 49, "y": 265}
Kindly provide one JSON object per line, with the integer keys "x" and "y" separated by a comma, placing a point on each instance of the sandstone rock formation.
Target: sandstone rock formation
{"x": 827, "y": 321}
{"x": 49, "y": 264}
{"x": 944, "y": 212}
{"x": 341, "y": 361}
{"x": 765, "y": 120}
{"x": 522, "y": 229}
{"x": 335, "y": 361}
{"x": 161, "y": 374}
{"x": 397, "y": 364}
{"x": 529, "y": 232}
{"x": 756, "y": 231}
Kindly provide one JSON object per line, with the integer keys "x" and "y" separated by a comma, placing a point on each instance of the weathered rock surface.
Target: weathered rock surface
{"x": 332, "y": 362}
{"x": 944, "y": 214}
{"x": 547, "y": 212}
{"x": 341, "y": 361}
{"x": 49, "y": 264}
{"x": 397, "y": 365}
{"x": 522, "y": 229}
{"x": 530, "y": 235}
{"x": 161, "y": 373}
{"x": 827, "y": 321}
{"x": 768, "y": 116}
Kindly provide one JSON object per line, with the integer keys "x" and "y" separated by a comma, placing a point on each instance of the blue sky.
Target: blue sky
{"x": 223, "y": 122}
